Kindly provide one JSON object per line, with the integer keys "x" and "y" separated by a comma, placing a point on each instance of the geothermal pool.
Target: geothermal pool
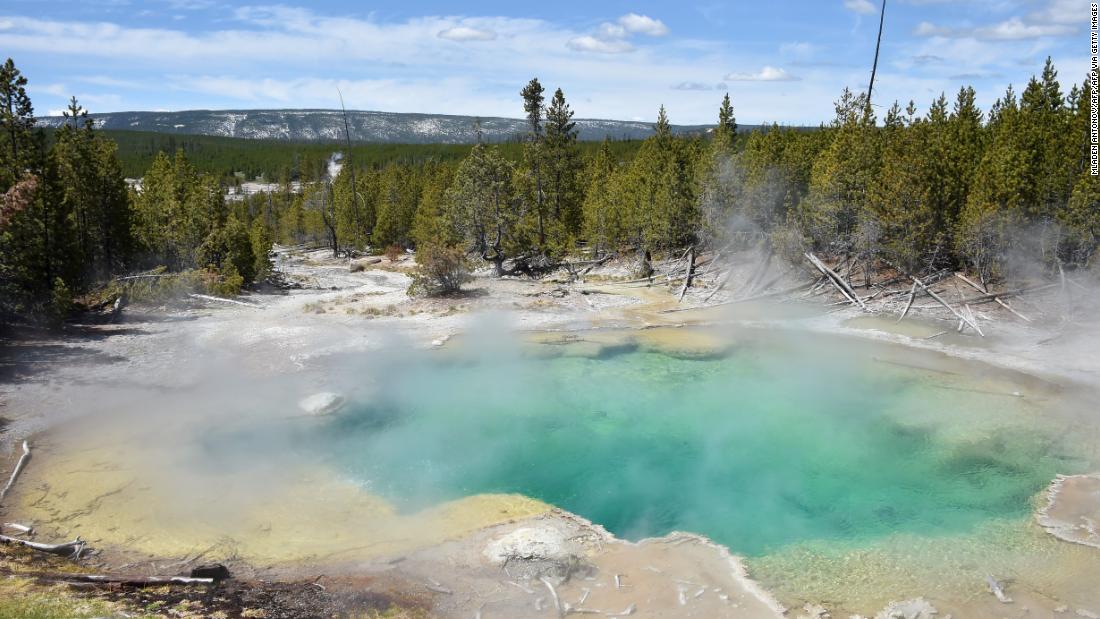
{"x": 757, "y": 449}
{"x": 849, "y": 471}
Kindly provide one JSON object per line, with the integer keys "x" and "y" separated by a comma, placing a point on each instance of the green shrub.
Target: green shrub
{"x": 441, "y": 270}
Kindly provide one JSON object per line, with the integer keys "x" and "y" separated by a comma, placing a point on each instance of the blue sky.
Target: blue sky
{"x": 780, "y": 61}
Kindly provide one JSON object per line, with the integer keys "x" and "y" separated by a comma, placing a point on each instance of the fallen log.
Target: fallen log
{"x": 206, "y": 297}
{"x": 596, "y": 263}
{"x": 997, "y": 299}
{"x": 909, "y": 303}
{"x": 22, "y": 529}
{"x": 122, "y": 581}
{"x": 766, "y": 295}
{"x": 940, "y": 300}
{"x": 146, "y": 276}
{"x": 837, "y": 281}
{"x": 71, "y": 549}
{"x": 988, "y": 298}
{"x": 18, "y": 469}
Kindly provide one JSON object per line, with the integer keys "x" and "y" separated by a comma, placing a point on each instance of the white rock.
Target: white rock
{"x": 814, "y": 611}
{"x": 528, "y": 543}
{"x": 918, "y": 608}
{"x": 323, "y": 403}
{"x": 1088, "y": 614}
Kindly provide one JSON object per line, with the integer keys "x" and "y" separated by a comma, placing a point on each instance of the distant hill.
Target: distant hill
{"x": 378, "y": 127}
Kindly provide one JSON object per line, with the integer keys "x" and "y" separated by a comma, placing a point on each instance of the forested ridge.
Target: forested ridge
{"x": 993, "y": 192}
{"x": 241, "y": 159}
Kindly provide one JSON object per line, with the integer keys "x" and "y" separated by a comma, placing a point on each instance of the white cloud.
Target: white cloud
{"x": 643, "y": 24}
{"x": 928, "y": 29}
{"x": 191, "y": 5}
{"x": 697, "y": 86}
{"x": 611, "y": 31}
{"x": 264, "y": 57}
{"x": 1012, "y": 29}
{"x": 589, "y": 43}
{"x": 1064, "y": 12}
{"x": 799, "y": 50}
{"x": 863, "y": 7}
{"x": 466, "y": 33}
{"x": 613, "y": 38}
{"x": 765, "y": 74}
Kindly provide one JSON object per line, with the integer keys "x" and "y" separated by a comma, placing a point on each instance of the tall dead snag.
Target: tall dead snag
{"x": 689, "y": 273}
{"x": 837, "y": 281}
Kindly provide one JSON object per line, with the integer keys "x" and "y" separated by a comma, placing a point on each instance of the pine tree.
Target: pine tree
{"x": 1000, "y": 193}
{"x": 481, "y": 207}
{"x": 721, "y": 178}
{"x": 842, "y": 177}
{"x": 18, "y": 148}
{"x": 96, "y": 194}
{"x": 533, "y": 153}
{"x": 727, "y": 124}
{"x": 603, "y": 227}
{"x": 663, "y": 130}
{"x": 562, "y": 171}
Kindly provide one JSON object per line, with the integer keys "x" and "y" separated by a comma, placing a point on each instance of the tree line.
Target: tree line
{"x": 69, "y": 223}
{"x": 1002, "y": 193}
{"x": 994, "y": 192}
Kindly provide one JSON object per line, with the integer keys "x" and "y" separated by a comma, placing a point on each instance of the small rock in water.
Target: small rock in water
{"x": 441, "y": 341}
{"x": 324, "y": 403}
{"x": 814, "y": 611}
{"x": 918, "y": 608}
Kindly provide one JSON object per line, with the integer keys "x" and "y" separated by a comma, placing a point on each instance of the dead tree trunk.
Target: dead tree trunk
{"x": 690, "y": 273}
{"x": 836, "y": 280}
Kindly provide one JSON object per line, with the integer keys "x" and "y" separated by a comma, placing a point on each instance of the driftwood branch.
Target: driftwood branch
{"x": 968, "y": 321}
{"x": 71, "y": 549}
{"x": 909, "y": 303}
{"x": 18, "y": 469}
{"x": 145, "y": 276}
{"x": 997, "y": 591}
{"x": 22, "y": 529}
{"x": 206, "y": 297}
{"x": 998, "y": 300}
{"x": 765, "y": 295}
{"x": 554, "y": 596}
{"x": 837, "y": 281}
{"x": 123, "y": 581}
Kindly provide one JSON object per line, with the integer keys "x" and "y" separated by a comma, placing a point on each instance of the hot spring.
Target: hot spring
{"x": 841, "y": 470}
{"x": 757, "y": 449}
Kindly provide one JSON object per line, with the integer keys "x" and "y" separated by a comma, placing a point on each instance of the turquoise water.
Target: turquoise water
{"x": 759, "y": 449}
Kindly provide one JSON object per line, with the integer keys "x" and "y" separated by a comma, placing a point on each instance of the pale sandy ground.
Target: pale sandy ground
{"x": 309, "y": 520}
